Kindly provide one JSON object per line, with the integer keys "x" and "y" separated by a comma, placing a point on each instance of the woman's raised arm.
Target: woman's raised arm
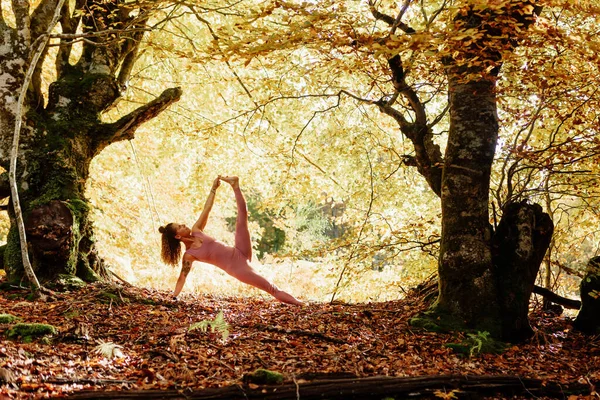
{"x": 201, "y": 223}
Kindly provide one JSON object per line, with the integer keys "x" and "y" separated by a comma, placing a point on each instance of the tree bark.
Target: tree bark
{"x": 366, "y": 388}
{"x": 519, "y": 245}
{"x": 465, "y": 262}
{"x": 588, "y": 318}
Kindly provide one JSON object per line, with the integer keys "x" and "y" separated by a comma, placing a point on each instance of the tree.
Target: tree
{"x": 476, "y": 261}
{"x": 63, "y": 129}
{"x": 441, "y": 70}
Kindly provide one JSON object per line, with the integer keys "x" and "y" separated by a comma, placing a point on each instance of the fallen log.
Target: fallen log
{"x": 365, "y": 388}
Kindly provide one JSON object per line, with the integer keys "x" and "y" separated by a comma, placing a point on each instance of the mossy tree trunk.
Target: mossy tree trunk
{"x": 486, "y": 276}
{"x": 588, "y": 318}
{"x": 63, "y": 133}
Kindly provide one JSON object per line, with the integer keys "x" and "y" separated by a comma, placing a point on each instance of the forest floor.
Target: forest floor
{"x": 158, "y": 351}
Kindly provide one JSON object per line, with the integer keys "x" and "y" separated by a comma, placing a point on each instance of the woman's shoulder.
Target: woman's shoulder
{"x": 198, "y": 233}
{"x": 188, "y": 257}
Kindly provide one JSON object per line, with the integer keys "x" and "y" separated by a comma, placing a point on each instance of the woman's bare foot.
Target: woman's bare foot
{"x": 234, "y": 181}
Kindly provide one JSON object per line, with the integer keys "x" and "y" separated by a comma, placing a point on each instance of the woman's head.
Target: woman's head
{"x": 171, "y": 243}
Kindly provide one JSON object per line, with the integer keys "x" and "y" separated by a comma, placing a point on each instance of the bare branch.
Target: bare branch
{"x": 398, "y": 21}
{"x": 388, "y": 19}
{"x": 311, "y": 162}
{"x": 69, "y": 27}
{"x": 395, "y": 23}
{"x": 21, "y": 10}
{"x": 337, "y": 104}
{"x": 355, "y": 247}
{"x": 428, "y": 154}
{"x": 42, "y": 17}
{"x": 131, "y": 47}
{"x": 37, "y": 52}
{"x": 126, "y": 126}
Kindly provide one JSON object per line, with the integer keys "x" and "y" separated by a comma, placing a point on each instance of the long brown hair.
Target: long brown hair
{"x": 171, "y": 246}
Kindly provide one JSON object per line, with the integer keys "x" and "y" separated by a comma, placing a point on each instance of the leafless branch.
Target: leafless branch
{"x": 21, "y": 12}
{"x": 398, "y": 21}
{"x": 126, "y": 126}
{"x": 337, "y": 104}
{"x": 428, "y": 155}
{"x": 388, "y": 19}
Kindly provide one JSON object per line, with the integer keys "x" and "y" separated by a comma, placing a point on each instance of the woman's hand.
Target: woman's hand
{"x": 216, "y": 184}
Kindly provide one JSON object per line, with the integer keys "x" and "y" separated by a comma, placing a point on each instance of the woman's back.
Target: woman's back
{"x": 214, "y": 252}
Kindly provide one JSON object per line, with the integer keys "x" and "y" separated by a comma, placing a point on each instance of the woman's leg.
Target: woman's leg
{"x": 242, "y": 234}
{"x": 248, "y": 276}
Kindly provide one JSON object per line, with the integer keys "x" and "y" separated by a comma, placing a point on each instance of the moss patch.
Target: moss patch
{"x": 263, "y": 377}
{"x": 107, "y": 298}
{"x": 27, "y": 332}
{"x": 435, "y": 321}
{"x": 68, "y": 282}
{"x": 7, "y": 318}
{"x": 84, "y": 271}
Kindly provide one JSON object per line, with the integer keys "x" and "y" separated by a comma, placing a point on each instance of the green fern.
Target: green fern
{"x": 217, "y": 325}
{"x": 478, "y": 343}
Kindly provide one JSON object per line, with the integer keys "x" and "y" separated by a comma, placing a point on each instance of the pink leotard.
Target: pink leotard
{"x": 218, "y": 253}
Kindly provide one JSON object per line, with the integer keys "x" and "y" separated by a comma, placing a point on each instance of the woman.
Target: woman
{"x": 201, "y": 247}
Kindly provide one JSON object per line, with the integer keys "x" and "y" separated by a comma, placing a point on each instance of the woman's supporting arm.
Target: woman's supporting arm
{"x": 201, "y": 223}
{"x": 186, "y": 266}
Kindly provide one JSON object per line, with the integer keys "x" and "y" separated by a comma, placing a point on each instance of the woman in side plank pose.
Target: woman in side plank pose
{"x": 201, "y": 247}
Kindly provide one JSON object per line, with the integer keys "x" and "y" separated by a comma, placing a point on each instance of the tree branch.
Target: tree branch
{"x": 398, "y": 21}
{"x": 42, "y": 17}
{"x": 378, "y": 15}
{"x": 428, "y": 154}
{"x": 37, "y": 52}
{"x": 555, "y": 298}
{"x": 124, "y": 128}
{"x": 394, "y": 23}
{"x": 69, "y": 27}
{"x": 21, "y": 10}
{"x": 373, "y": 387}
{"x": 130, "y": 50}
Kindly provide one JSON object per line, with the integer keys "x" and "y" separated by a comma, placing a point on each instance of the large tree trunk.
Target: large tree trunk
{"x": 59, "y": 141}
{"x": 588, "y": 319}
{"x": 486, "y": 277}
{"x": 465, "y": 262}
